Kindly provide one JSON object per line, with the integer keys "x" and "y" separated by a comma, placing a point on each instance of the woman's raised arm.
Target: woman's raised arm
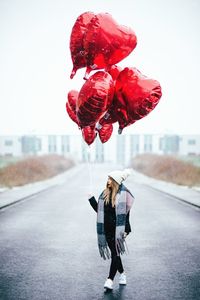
{"x": 93, "y": 203}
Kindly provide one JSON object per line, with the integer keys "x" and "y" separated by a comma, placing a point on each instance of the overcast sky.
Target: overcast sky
{"x": 35, "y": 62}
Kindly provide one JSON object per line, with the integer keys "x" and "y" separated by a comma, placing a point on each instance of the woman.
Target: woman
{"x": 113, "y": 225}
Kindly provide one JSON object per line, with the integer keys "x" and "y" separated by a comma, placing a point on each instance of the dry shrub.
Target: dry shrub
{"x": 34, "y": 169}
{"x": 167, "y": 168}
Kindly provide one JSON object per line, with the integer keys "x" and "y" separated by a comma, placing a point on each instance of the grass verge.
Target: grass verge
{"x": 33, "y": 169}
{"x": 167, "y": 168}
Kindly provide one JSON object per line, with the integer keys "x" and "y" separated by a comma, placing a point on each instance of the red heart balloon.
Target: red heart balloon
{"x": 72, "y": 99}
{"x": 114, "y": 71}
{"x": 135, "y": 96}
{"x": 105, "y": 132}
{"x": 108, "y": 118}
{"x": 89, "y": 134}
{"x": 106, "y": 42}
{"x": 71, "y": 113}
{"x": 77, "y": 40}
{"x": 94, "y": 98}
{"x": 71, "y": 105}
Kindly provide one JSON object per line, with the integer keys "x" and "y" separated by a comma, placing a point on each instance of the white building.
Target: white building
{"x": 10, "y": 146}
{"x": 119, "y": 149}
{"x": 189, "y": 145}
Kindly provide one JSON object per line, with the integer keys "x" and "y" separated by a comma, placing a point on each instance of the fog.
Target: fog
{"x": 36, "y": 64}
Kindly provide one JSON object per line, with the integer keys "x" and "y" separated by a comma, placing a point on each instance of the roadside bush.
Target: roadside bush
{"x": 167, "y": 168}
{"x": 33, "y": 169}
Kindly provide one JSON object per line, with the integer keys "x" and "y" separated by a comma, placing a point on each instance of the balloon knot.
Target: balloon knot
{"x": 98, "y": 126}
{"x": 73, "y": 73}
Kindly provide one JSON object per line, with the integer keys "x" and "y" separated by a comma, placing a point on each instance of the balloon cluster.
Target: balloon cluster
{"x": 112, "y": 95}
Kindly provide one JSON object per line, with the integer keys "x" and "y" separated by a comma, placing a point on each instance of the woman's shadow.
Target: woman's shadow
{"x": 115, "y": 294}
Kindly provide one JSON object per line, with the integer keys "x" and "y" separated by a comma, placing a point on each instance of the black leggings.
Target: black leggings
{"x": 116, "y": 263}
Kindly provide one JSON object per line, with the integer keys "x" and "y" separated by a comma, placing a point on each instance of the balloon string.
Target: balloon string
{"x": 90, "y": 170}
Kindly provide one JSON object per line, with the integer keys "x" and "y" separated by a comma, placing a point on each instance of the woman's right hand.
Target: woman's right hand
{"x": 125, "y": 235}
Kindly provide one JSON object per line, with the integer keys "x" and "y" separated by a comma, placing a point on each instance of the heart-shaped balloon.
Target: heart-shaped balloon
{"x": 108, "y": 118}
{"x": 105, "y": 132}
{"x": 72, "y": 99}
{"x": 94, "y": 98}
{"x": 71, "y": 105}
{"x": 89, "y": 134}
{"x": 114, "y": 71}
{"x": 77, "y": 41}
{"x": 135, "y": 96}
{"x": 71, "y": 113}
{"x": 106, "y": 42}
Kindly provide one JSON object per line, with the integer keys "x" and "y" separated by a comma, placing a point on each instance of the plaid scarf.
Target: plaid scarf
{"x": 123, "y": 203}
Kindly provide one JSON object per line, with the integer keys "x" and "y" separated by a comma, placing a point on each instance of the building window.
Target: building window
{"x": 38, "y": 144}
{"x": 147, "y": 143}
{"x": 8, "y": 154}
{"x": 52, "y": 144}
{"x": 8, "y": 142}
{"x": 161, "y": 144}
{"x": 191, "y": 142}
{"x": 134, "y": 144}
{"x": 169, "y": 144}
{"x": 52, "y": 148}
{"x": 65, "y": 144}
{"x": 30, "y": 145}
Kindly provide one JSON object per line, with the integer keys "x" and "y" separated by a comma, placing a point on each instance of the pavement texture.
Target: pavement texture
{"x": 48, "y": 243}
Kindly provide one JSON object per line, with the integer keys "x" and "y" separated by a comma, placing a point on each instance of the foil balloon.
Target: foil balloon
{"x": 72, "y": 99}
{"x": 77, "y": 41}
{"x": 135, "y": 96}
{"x": 71, "y": 105}
{"x": 71, "y": 113}
{"x": 89, "y": 134}
{"x": 94, "y": 98}
{"x": 106, "y": 42}
{"x": 114, "y": 71}
{"x": 108, "y": 118}
{"x": 105, "y": 132}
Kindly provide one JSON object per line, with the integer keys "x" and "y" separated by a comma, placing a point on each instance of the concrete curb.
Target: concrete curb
{"x": 183, "y": 193}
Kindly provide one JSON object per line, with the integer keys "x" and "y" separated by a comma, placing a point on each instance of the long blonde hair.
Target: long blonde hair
{"x": 111, "y": 192}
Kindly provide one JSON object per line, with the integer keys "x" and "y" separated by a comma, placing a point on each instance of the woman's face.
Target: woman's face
{"x": 109, "y": 183}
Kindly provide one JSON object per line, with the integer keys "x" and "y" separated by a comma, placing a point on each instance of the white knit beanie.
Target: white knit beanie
{"x": 119, "y": 175}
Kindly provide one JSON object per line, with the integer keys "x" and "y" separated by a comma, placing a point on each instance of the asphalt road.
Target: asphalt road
{"x": 48, "y": 246}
